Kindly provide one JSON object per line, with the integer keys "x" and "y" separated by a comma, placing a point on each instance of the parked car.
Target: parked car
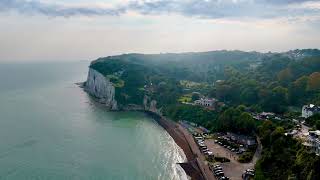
{"x": 219, "y": 174}
{"x": 250, "y": 170}
{"x": 223, "y": 178}
{"x": 250, "y": 174}
{"x": 204, "y": 150}
{"x": 239, "y": 152}
{"x": 217, "y": 171}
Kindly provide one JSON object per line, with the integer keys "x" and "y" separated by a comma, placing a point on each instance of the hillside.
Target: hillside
{"x": 246, "y": 75}
{"x": 277, "y": 82}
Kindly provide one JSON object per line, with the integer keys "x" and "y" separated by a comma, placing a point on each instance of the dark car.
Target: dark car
{"x": 219, "y": 174}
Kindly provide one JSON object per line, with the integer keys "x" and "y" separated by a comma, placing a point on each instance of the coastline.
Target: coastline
{"x": 191, "y": 167}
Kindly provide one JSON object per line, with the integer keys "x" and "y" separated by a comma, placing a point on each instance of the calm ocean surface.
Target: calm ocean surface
{"x": 51, "y": 129}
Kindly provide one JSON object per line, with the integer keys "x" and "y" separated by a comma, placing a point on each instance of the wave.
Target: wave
{"x": 174, "y": 155}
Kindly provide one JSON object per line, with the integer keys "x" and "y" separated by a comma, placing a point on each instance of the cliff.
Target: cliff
{"x": 100, "y": 87}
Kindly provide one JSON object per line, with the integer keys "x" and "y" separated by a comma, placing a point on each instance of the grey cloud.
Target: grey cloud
{"x": 223, "y": 9}
{"x": 37, "y": 7}
{"x": 212, "y": 9}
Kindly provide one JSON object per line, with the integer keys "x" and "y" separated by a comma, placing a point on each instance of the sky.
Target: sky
{"x": 72, "y": 30}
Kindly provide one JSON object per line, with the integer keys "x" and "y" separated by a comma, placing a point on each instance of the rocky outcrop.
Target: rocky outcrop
{"x": 100, "y": 87}
{"x": 151, "y": 105}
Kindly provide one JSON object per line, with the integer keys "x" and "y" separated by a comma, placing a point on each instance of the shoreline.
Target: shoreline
{"x": 191, "y": 167}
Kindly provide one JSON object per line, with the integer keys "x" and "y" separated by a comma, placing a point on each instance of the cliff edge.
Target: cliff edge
{"x": 101, "y": 88}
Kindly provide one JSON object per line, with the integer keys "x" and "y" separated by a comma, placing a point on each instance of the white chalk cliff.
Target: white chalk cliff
{"x": 100, "y": 87}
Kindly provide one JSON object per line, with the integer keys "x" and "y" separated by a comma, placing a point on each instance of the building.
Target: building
{"x": 267, "y": 115}
{"x": 241, "y": 139}
{"x": 314, "y": 141}
{"x": 309, "y": 110}
{"x": 205, "y": 102}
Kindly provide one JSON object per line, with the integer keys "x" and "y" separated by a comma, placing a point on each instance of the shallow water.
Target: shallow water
{"x": 51, "y": 129}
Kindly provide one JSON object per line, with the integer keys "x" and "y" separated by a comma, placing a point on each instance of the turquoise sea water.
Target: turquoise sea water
{"x": 51, "y": 129}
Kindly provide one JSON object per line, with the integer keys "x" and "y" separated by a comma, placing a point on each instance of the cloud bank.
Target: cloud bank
{"x": 55, "y": 10}
{"x": 211, "y": 9}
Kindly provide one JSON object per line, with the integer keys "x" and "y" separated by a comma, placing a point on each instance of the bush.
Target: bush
{"x": 246, "y": 157}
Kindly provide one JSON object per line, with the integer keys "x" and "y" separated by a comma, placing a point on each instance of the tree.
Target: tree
{"x": 285, "y": 76}
{"x": 195, "y": 96}
{"x": 314, "y": 81}
{"x": 297, "y": 90}
{"x": 246, "y": 123}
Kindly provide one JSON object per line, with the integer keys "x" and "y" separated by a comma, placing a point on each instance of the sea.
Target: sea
{"x": 50, "y": 129}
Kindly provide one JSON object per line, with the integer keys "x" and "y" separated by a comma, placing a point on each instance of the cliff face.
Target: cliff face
{"x": 100, "y": 87}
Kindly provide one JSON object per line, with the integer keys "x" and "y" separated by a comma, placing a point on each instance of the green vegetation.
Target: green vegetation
{"x": 246, "y": 157}
{"x": 283, "y": 157}
{"x": 314, "y": 121}
{"x": 269, "y": 82}
{"x": 277, "y": 82}
{"x": 187, "y": 98}
{"x": 231, "y": 119}
{"x": 116, "y": 81}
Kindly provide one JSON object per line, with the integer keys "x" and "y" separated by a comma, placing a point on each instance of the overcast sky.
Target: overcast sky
{"x": 61, "y": 30}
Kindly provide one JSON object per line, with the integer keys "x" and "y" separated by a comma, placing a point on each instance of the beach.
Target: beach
{"x": 195, "y": 167}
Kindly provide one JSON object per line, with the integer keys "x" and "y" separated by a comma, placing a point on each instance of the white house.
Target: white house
{"x": 309, "y": 110}
{"x": 205, "y": 102}
{"x": 314, "y": 141}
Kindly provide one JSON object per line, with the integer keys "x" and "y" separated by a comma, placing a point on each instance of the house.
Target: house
{"x": 314, "y": 141}
{"x": 205, "y": 102}
{"x": 241, "y": 139}
{"x": 309, "y": 110}
{"x": 267, "y": 115}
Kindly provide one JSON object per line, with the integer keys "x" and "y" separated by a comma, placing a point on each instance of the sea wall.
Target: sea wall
{"x": 100, "y": 87}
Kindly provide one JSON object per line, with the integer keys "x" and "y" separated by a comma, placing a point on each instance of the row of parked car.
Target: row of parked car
{"x": 248, "y": 173}
{"x": 203, "y": 148}
{"x": 227, "y": 146}
{"x": 218, "y": 172}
